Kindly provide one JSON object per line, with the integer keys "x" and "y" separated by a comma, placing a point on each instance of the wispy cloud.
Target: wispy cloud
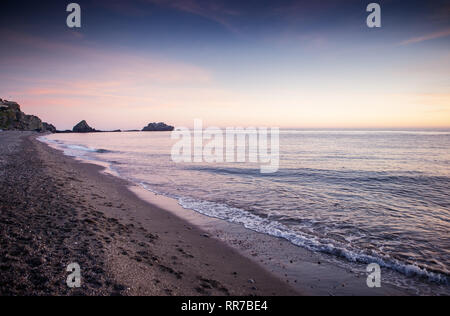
{"x": 39, "y": 54}
{"x": 216, "y": 11}
{"x": 427, "y": 37}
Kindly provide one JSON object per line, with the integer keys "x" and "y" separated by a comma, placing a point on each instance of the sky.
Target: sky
{"x": 278, "y": 63}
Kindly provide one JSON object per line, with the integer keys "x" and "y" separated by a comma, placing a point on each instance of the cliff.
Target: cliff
{"x": 12, "y": 118}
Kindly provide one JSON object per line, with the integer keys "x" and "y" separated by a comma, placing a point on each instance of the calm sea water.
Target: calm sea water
{"x": 362, "y": 196}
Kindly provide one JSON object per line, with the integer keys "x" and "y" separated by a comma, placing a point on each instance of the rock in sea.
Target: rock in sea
{"x": 158, "y": 127}
{"x": 83, "y": 127}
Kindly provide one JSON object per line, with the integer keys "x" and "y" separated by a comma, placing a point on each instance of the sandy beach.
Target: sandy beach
{"x": 56, "y": 211}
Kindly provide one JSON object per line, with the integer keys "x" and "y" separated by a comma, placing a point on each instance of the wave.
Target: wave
{"x": 331, "y": 176}
{"x": 81, "y": 148}
{"x": 88, "y": 149}
{"x": 312, "y": 243}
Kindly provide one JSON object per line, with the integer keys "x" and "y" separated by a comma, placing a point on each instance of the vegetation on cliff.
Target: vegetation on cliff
{"x": 12, "y": 118}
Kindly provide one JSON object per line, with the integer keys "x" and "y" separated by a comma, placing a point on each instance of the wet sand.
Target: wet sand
{"x": 55, "y": 210}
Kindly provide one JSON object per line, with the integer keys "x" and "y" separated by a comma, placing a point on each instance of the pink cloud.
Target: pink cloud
{"x": 91, "y": 63}
{"x": 426, "y": 37}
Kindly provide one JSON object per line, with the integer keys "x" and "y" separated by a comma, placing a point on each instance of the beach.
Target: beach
{"x": 56, "y": 211}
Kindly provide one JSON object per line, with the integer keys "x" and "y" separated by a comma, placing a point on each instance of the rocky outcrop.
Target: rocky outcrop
{"x": 49, "y": 127}
{"x": 83, "y": 127}
{"x": 12, "y": 118}
{"x": 158, "y": 127}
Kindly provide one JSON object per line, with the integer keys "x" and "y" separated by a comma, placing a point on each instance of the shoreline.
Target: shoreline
{"x": 162, "y": 249}
{"x": 314, "y": 273}
{"x": 310, "y": 273}
{"x": 72, "y": 212}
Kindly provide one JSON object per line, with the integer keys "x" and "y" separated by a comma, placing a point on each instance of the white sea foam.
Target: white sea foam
{"x": 70, "y": 149}
{"x": 80, "y": 152}
{"x": 276, "y": 229}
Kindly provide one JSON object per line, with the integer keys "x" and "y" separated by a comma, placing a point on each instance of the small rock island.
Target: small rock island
{"x": 83, "y": 127}
{"x": 158, "y": 127}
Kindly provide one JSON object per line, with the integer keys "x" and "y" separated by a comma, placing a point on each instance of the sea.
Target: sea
{"x": 360, "y": 196}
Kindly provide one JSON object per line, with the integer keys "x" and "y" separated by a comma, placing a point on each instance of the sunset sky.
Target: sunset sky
{"x": 283, "y": 63}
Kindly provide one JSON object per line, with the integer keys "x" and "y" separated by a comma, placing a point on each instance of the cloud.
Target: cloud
{"x": 62, "y": 82}
{"x": 36, "y": 54}
{"x": 427, "y": 37}
{"x": 216, "y": 11}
